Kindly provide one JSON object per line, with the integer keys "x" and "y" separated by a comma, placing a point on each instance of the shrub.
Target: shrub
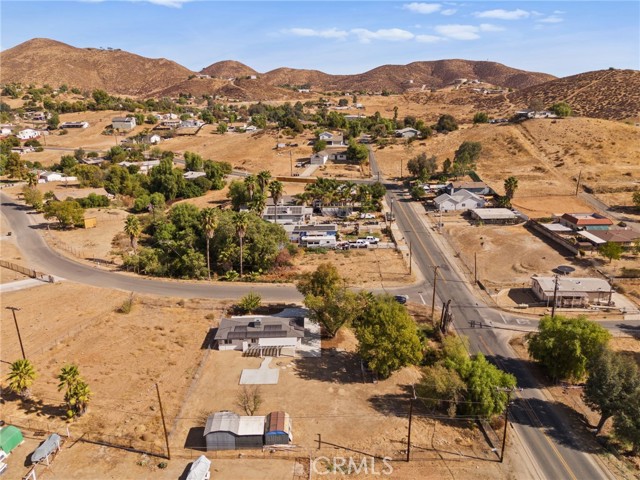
{"x": 249, "y": 303}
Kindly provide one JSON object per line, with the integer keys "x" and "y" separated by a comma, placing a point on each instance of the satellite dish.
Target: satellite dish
{"x": 565, "y": 269}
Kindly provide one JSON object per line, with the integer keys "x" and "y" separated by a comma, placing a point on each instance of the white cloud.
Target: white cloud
{"x": 169, "y": 3}
{"x": 424, "y": 8}
{"x": 501, "y": 14}
{"x": 428, "y": 38}
{"x": 389, "y": 34}
{"x": 459, "y": 32}
{"x": 310, "y": 32}
{"x": 488, "y": 27}
{"x": 449, "y": 11}
{"x": 551, "y": 19}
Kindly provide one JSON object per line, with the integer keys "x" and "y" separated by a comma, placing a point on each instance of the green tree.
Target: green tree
{"x": 53, "y": 121}
{"x": 251, "y": 182}
{"x": 222, "y": 128}
{"x": 446, "y": 123}
{"x": 387, "y": 336}
{"x": 510, "y": 187}
{"x": 193, "y": 162}
{"x": 276, "y": 189}
{"x": 21, "y": 376}
{"x": 357, "y": 153}
{"x": 485, "y": 387}
{"x": 319, "y": 145}
{"x": 209, "y": 224}
{"x": 610, "y": 250}
{"x": 636, "y": 199}
{"x": 417, "y": 192}
{"x": 441, "y": 388}
{"x": 466, "y": 157}
{"x": 68, "y": 213}
{"x": 241, "y": 222}
{"x": 263, "y": 179}
{"x": 565, "y": 346}
{"x": 238, "y": 194}
{"x": 77, "y": 397}
{"x": 626, "y": 421}
{"x": 480, "y": 117}
{"x": 133, "y": 229}
{"x": 613, "y": 377}
{"x": 422, "y": 167}
{"x": 15, "y": 166}
{"x": 562, "y": 109}
{"x": 333, "y": 311}
{"x": 324, "y": 281}
{"x": 33, "y": 197}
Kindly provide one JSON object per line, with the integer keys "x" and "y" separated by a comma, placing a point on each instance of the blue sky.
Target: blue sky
{"x": 557, "y": 37}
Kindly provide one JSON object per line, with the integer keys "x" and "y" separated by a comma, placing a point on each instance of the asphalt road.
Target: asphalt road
{"x": 24, "y": 226}
{"x": 542, "y": 426}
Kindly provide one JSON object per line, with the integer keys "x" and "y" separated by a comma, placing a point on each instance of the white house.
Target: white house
{"x": 123, "y": 123}
{"x": 460, "y": 200}
{"x": 46, "y": 177}
{"x": 572, "y": 291}
{"x": 287, "y": 214}
{"x": 28, "y": 134}
{"x": 251, "y": 128}
{"x": 257, "y": 333}
{"x": 74, "y": 125}
{"x": 319, "y": 158}
{"x": 407, "y": 132}
{"x": 331, "y": 139}
{"x": 144, "y": 167}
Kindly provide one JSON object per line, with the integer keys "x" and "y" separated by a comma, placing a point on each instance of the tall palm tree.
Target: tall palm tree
{"x": 77, "y": 397}
{"x": 263, "y": 179}
{"x": 133, "y": 228}
{"x": 258, "y": 203}
{"x": 510, "y": 187}
{"x": 276, "y": 190}
{"x": 241, "y": 222}
{"x": 32, "y": 179}
{"x": 251, "y": 181}
{"x": 21, "y": 377}
{"x": 209, "y": 225}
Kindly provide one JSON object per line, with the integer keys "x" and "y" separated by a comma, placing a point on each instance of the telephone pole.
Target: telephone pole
{"x": 164, "y": 425}
{"x": 475, "y": 267}
{"x": 555, "y": 296}
{"x": 433, "y": 297}
{"x": 506, "y": 422}
{"x": 15, "y": 320}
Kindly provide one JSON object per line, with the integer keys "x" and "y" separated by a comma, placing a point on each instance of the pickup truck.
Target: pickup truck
{"x": 359, "y": 243}
{"x": 372, "y": 240}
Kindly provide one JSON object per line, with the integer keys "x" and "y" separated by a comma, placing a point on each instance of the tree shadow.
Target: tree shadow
{"x": 333, "y": 367}
{"x": 552, "y": 418}
{"x": 195, "y": 440}
{"x": 632, "y": 330}
{"x": 394, "y": 404}
{"x": 208, "y": 341}
{"x": 43, "y": 409}
{"x": 522, "y": 296}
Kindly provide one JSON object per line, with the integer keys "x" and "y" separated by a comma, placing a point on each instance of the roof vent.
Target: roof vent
{"x": 257, "y": 322}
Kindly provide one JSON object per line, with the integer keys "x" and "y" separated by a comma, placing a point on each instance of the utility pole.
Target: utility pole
{"x": 578, "y": 183}
{"x": 475, "y": 267}
{"x": 291, "y": 161}
{"x": 164, "y": 425}
{"x": 433, "y": 296}
{"x": 555, "y": 295}
{"x": 410, "y": 258}
{"x": 506, "y": 423}
{"x": 15, "y": 320}
{"x": 409, "y": 432}
{"x": 401, "y": 169}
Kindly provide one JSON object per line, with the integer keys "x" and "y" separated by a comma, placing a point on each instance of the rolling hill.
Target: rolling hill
{"x": 41, "y": 61}
{"x": 228, "y": 69}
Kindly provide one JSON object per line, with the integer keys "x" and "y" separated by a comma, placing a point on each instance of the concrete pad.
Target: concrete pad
{"x": 261, "y": 376}
{"x": 22, "y": 284}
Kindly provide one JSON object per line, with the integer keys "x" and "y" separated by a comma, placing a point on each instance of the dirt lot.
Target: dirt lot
{"x": 10, "y": 252}
{"x": 531, "y": 255}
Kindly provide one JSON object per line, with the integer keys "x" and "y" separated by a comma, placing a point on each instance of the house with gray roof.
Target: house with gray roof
{"x": 287, "y": 214}
{"x": 256, "y": 334}
{"x": 460, "y": 200}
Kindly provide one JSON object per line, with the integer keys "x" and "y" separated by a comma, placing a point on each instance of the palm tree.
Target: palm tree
{"x": 21, "y": 377}
{"x": 275, "y": 188}
{"x": 241, "y": 222}
{"x": 251, "y": 182}
{"x": 258, "y": 203}
{"x": 510, "y": 187}
{"x": 69, "y": 375}
{"x": 32, "y": 179}
{"x": 133, "y": 229}
{"x": 263, "y": 179}
{"x": 77, "y": 397}
{"x": 209, "y": 225}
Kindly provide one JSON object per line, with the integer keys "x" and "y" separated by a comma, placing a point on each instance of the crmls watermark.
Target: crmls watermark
{"x": 352, "y": 466}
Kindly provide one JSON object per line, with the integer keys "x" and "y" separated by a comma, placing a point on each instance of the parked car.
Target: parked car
{"x": 359, "y": 243}
{"x": 372, "y": 240}
{"x": 367, "y": 215}
{"x": 401, "y": 298}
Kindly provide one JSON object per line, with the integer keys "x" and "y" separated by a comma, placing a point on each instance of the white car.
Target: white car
{"x": 367, "y": 215}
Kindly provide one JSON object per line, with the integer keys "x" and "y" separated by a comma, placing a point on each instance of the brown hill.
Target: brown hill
{"x": 608, "y": 94}
{"x": 398, "y": 78}
{"x": 228, "y": 69}
{"x": 43, "y": 61}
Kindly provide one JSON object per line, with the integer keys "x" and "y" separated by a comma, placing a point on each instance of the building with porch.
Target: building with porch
{"x": 572, "y": 292}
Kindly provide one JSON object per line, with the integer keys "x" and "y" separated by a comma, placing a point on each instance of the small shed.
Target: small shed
{"x": 10, "y": 438}
{"x": 277, "y": 429}
{"x": 230, "y": 431}
{"x": 90, "y": 222}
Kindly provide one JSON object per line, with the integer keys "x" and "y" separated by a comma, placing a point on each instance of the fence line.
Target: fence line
{"x": 27, "y": 271}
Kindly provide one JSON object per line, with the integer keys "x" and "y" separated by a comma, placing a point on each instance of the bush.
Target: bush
{"x": 249, "y": 303}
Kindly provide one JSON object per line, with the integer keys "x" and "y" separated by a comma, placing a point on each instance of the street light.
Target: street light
{"x": 433, "y": 297}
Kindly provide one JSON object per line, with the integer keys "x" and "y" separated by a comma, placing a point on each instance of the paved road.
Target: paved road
{"x": 542, "y": 426}
{"x": 42, "y": 258}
